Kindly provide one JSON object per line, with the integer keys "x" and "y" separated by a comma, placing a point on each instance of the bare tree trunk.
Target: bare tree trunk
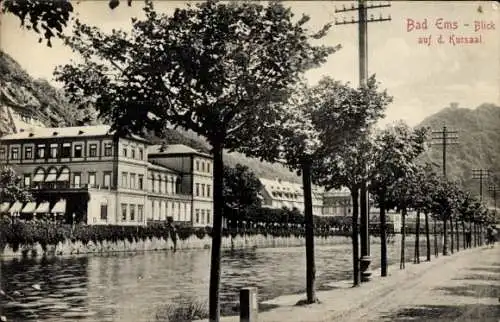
{"x": 427, "y": 237}
{"x": 464, "y": 236}
{"x": 457, "y": 234}
{"x": 480, "y": 234}
{"x": 383, "y": 237}
{"x": 403, "y": 237}
{"x": 355, "y": 242}
{"x": 445, "y": 238}
{"x": 309, "y": 221}
{"x": 416, "y": 258}
{"x": 436, "y": 246}
{"x": 214, "y": 304}
{"x": 452, "y": 246}
{"x": 474, "y": 233}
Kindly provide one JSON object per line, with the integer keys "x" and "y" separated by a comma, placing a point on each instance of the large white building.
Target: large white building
{"x": 91, "y": 175}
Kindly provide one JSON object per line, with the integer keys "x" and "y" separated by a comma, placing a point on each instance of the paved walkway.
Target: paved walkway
{"x": 464, "y": 286}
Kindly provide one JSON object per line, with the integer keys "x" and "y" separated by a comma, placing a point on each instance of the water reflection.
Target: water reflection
{"x": 132, "y": 287}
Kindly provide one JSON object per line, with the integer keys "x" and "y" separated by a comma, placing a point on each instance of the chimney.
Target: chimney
{"x": 454, "y": 105}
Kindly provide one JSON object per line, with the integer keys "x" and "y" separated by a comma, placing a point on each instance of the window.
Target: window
{"x": 124, "y": 151}
{"x": 93, "y": 150}
{"x": 208, "y": 190}
{"x": 153, "y": 183}
{"x": 203, "y": 216}
{"x": 2, "y": 153}
{"x": 124, "y": 179}
{"x": 178, "y": 186}
{"x": 124, "y": 212}
{"x": 197, "y": 189}
{"x": 27, "y": 180}
{"x": 197, "y": 216}
{"x": 140, "y": 213}
{"x": 78, "y": 151}
{"x": 208, "y": 217}
{"x": 104, "y": 211}
{"x": 132, "y": 181}
{"x": 14, "y": 153}
{"x": 133, "y": 153}
{"x": 172, "y": 186}
{"x": 141, "y": 154}
{"x": 108, "y": 149}
{"x": 141, "y": 182}
{"x": 53, "y": 151}
{"x": 107, "y": 179}
{"x": 77, "y": 179}
{"x": 203, "y": 190}
{"x": 157, "y": 185}
{"x": 151, "y": 215}
{"x": 28, "y": 152}
{"x": 197, "y": 165}
{"x": 203, "y": 166}
{"x": 40, "y": 151}
{"x": 132, "y": 212}
{"x": 208, "y": 167}
{"x": 66, "y": 150}
{"x": 92, "y": 179}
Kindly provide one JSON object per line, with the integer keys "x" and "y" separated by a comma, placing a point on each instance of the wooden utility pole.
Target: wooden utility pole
{"x": 445, "y": 138}
{"x": 363, "y": 19}
{"x": 480, "y": 174}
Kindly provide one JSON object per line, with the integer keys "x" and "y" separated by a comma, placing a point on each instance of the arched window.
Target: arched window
{"x": 52, "y": 175}
{"x": 39, "y": 176}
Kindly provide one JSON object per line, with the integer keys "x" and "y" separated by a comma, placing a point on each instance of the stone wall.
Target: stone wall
{"x": 193, "y": 242}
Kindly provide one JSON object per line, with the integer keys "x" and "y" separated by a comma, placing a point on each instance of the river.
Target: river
{"x": 134, "y": 287}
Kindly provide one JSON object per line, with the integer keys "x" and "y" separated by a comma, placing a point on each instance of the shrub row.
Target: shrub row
{"x": 18, "y": 233}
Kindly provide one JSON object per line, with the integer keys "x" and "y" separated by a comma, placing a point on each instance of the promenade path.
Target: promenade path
{"x": 464, "y": 286}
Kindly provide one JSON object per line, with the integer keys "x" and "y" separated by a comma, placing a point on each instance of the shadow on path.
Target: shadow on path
{"x": 477, "y": 312}
{"x": 490, "y": 269}
{"x": 473, "y": 290}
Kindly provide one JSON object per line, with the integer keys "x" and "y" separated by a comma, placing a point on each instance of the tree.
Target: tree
{"x": 10, "y": 186}
{"x": 393, "y": 175}
{"x": 444, "y": 203}
{"x": 220, "y": 70}
{"x": 427, "y": 184}
{"x": 46, "y": 18}
{"x": 347, "y": 145}
{"x": 241, "y": 188}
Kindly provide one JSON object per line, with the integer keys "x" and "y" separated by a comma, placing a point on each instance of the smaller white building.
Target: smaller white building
{"x": 277, "y": 194}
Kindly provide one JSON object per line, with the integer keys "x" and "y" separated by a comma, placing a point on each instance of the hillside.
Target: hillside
{"x": 36, "y": 98}
{"x": 478, "y": 143}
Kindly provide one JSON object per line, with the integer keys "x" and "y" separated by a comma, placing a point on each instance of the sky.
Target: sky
{"x": 422, "y": 78}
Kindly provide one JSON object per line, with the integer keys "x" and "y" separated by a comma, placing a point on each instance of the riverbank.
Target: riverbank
{"x": 462, "y": 286}
{"x": 69, "y": 247}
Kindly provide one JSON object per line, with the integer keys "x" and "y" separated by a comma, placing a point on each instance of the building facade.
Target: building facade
{"x": 101, "y": 178}
{"x": 279, "y": 194}
{"x": 337, "y": 203}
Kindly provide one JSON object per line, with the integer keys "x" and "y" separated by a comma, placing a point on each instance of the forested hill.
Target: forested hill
{"x": 21, "y": 92}
{"x": 478, "y": 147}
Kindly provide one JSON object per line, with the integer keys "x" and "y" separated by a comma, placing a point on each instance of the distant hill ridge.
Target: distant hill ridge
{"x": 478, "y": 147}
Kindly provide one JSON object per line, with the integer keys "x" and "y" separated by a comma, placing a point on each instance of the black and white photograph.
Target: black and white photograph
{"x": 249, "y": 161}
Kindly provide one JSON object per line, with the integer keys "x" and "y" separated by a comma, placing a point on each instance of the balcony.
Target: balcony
{"x": 66, "y": 187}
